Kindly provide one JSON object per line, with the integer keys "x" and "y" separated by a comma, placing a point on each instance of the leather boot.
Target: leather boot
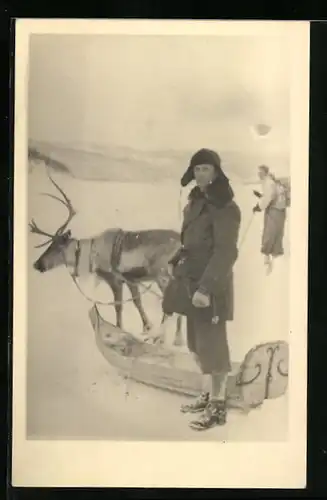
{"x": 199, "y": 404}
{"x": 214, "y": 414}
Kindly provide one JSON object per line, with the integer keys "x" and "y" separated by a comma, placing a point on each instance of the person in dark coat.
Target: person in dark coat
{"x": 208, "y": 253}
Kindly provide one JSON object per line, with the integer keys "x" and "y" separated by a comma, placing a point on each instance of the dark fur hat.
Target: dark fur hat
{"x": 201, "y": 157}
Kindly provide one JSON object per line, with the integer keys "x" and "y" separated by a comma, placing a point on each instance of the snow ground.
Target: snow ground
{"x": 72, "y": 392}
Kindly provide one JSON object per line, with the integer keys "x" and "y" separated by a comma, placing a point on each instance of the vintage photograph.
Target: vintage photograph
{"x": 159, "y": 197}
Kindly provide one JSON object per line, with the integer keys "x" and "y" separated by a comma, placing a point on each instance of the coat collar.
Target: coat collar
{"x": 192, "y": 211}
{"x": 219, "y": 194}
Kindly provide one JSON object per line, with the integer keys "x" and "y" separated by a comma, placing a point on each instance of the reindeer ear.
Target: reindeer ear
{"x": 68, "y": 234}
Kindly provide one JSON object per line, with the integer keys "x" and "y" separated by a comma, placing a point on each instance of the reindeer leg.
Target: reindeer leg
{"x": 134, "y": 289}
{"x": 118, "y": 296}
{"x": 178, "y": 341}
{"x": 117, "y": 290}
{"x": 161, "y": 282}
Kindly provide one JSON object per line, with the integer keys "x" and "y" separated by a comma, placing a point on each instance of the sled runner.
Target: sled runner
{"x": 263, "y": 374}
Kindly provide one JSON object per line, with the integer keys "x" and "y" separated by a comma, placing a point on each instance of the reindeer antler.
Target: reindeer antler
{"x": 36, "y": 230}
{"x": 66, "y": 202}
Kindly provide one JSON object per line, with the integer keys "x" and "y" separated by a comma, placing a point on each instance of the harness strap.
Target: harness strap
{"x": 77, "y": 257}
{"x": 91, "y": 256}
{"x": 117, "y": 249}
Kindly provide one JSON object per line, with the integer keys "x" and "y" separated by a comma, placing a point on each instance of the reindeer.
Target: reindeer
{"x": 114, "y": 256}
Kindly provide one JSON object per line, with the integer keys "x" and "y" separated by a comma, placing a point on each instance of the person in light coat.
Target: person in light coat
{"x": 272, "y": 202}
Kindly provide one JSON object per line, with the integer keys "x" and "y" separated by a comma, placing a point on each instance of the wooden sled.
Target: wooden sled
{"x": 263, "y": 374}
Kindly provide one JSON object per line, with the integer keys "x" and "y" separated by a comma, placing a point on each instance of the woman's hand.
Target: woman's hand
{"x": 200, "y": 299}
{"x": 257, "y": 194}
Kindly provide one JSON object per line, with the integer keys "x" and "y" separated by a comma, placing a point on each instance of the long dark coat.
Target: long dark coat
{"x": 209, "y": 237}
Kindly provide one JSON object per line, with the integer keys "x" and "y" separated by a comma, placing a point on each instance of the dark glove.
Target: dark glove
{"x": 257, "y": 194}
{"x": 256, "y": 209}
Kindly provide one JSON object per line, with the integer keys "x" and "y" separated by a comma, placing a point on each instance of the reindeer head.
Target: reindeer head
{"x": 59, "y": 243}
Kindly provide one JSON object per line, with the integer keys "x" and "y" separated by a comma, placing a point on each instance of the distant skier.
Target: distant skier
{"x": 273, "y": 201}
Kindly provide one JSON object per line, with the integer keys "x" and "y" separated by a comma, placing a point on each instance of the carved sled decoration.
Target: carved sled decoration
{"x": 263, "y": 374}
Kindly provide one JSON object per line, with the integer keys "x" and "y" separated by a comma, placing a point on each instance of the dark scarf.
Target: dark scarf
{"x": 219, "y": 193}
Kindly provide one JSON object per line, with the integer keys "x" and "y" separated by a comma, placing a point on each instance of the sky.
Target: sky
{"x": 159, "y": 92}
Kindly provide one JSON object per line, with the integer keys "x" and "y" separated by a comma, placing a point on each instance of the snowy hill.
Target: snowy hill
{"x": 124, "y": 164}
